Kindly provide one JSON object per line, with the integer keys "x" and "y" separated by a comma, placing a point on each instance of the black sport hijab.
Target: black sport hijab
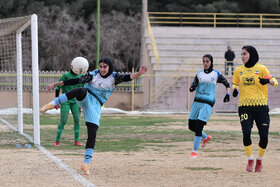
{"x": 107, "y": 61}
{"x": 211, "y": 66}
{"x": 254, "y": 56}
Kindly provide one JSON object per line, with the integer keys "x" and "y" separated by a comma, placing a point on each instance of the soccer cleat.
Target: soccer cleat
{"x": 77, "y": 143}
{"x": 56, "y": 143}
{"x": 258, "y": 167}
{"x": 46, "y": 108}
{"x": 204, "y": 142}
{"x": 85, "y": 168}
{"x": 250, "y": 164}
{"x": 193, "y": 155}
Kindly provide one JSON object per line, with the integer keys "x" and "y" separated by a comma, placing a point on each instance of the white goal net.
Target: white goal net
{"x": 19, "y": 80}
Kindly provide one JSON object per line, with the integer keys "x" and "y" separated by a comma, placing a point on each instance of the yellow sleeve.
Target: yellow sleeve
{"x": 275, "y": 81}
{"x": 235, "y": 79}
{"x": 267, "y": 75}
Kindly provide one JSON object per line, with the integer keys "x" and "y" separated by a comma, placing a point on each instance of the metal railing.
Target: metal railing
{"x": 189, "y": 69}
{"x": 169, "y": 80}
{"x": 214, "y": 19}
{"x": 154, "y": 46}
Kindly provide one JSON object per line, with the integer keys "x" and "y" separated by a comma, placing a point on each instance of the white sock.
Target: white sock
{"x": 251, "y": 157}
{"x": 259, "y": 158}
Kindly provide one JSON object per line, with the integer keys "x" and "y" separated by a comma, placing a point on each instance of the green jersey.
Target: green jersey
{"x": 67, "y": 76}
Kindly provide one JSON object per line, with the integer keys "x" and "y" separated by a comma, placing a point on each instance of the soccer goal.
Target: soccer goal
{"x": 19, "y": 76}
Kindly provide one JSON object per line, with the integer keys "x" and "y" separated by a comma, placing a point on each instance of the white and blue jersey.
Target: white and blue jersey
{"x": 204, "y": 100}
{"x": 206, "y": 86}
{"x": 99, "y": 89}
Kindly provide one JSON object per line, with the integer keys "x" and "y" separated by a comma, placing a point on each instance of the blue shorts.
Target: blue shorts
{"x": 200, "y": 111}
{"x": 91, "y": 109}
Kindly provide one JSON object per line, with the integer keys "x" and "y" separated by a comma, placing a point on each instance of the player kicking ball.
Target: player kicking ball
{"x": 205, "y": 85}
{"x": 100, "y": 85}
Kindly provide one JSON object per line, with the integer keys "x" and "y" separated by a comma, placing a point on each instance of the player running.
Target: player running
{"x": 251, "y": 80}
{"x": 205, "y": 85}
{"x": 100, "y": 85}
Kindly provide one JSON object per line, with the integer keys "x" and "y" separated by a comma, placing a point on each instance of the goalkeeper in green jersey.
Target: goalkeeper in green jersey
{"x": 65, "y": 107}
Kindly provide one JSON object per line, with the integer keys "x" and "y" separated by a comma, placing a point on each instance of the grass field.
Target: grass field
{"x": 117, "y": 132}
{"x": 150, "y": 150}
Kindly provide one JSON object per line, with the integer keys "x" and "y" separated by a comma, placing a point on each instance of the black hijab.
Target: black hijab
{"x": 107, "y": 61}
{"x": 211, "y": 66}
{"x": 254, "y": 57}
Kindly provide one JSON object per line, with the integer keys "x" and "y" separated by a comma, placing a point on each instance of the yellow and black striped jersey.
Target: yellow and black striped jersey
{"x": 252, "y": 92}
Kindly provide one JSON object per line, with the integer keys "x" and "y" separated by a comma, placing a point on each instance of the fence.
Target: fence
{"x": 8, "y": 81}
{"x": 214, "y": 19}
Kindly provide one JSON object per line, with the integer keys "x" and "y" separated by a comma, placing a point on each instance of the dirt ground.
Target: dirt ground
{"x": 220, "y": 163}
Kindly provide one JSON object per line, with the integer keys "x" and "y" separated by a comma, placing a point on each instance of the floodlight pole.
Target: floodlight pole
{"x": 143, "y": 27}
{"x": 97, "y": 34}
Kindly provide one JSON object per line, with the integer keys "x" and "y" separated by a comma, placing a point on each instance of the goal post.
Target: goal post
{"x": 19, "y": 53}
{"x": 35, "y": 78}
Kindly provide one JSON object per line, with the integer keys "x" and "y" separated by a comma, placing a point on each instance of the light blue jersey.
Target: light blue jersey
{"x": 99, "y": 89}
{"x": 204, "y": 100}
{"x": 206, "y": 88}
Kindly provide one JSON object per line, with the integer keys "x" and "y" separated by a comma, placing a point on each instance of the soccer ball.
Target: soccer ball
{"x": 79, "y": 65}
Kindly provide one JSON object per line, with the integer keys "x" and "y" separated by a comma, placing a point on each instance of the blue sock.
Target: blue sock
{"x": 60, "y": 99}
{"x": 196, "y": 143}
{"x": 204, "y": 135}
{"x": 88, "y": 155}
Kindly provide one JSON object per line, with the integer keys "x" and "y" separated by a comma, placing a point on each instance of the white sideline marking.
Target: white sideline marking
{"x": 59, "y": 162}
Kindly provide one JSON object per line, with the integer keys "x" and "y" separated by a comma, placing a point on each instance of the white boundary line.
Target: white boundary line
{"x": 59, "y": 162}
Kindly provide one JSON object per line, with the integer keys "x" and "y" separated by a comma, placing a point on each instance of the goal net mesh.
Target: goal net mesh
{"x": 9, "y": 135}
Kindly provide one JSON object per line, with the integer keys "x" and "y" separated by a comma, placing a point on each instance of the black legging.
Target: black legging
{"x": 92, "y": 131}
{"x": 78, "y": 93}
{"x": 196, "y": 126}
{"x": 262, "y": 120}
{"x": 263, "y": 138}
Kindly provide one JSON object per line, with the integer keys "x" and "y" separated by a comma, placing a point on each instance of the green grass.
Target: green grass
{"x": 130, "y": 133}
{"x": 118, "y": 133}
{"x": 273, "y": 133}
{"x": 124, "y": 133}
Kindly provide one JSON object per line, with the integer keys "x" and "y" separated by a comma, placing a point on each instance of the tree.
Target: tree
{"x": 121, "y": 39}
{"x": 62, "y": 38}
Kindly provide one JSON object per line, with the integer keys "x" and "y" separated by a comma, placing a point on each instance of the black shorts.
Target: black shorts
{"x": 247, "y": 117}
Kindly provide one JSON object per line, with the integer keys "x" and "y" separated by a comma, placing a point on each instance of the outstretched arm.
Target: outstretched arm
{"x": 142, "y": 70}
{"x": 81, "y": 80}
{"x": 50, "y": 86}
{"x": 119, "y": 78}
